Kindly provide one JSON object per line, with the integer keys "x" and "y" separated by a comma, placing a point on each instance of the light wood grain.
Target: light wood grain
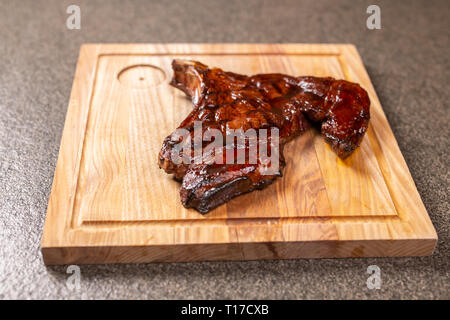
{"x": 111, "y": 203}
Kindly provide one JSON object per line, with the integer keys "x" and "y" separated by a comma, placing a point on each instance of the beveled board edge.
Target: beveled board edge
{"x": 238, "y": 251}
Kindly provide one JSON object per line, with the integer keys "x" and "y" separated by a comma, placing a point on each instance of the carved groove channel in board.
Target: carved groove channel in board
{"x": 119, "y": 180}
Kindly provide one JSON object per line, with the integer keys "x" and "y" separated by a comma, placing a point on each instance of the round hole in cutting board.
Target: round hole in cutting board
{"x": 141, "y": 76}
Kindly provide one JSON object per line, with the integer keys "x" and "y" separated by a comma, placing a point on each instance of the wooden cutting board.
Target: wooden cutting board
{"x": 111, "y": 203}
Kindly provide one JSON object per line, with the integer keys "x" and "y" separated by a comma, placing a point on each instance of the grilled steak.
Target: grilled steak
{"x": 282, "y": 105}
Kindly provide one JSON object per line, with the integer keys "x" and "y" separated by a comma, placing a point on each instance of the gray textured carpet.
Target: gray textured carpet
{"x": 408, "y": 61}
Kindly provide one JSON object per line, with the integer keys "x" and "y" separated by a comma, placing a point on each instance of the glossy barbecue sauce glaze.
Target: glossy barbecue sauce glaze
{"x": 227, "y": 101}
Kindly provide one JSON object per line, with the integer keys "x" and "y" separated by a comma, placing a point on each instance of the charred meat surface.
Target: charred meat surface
{"x": 226, "y": 101}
